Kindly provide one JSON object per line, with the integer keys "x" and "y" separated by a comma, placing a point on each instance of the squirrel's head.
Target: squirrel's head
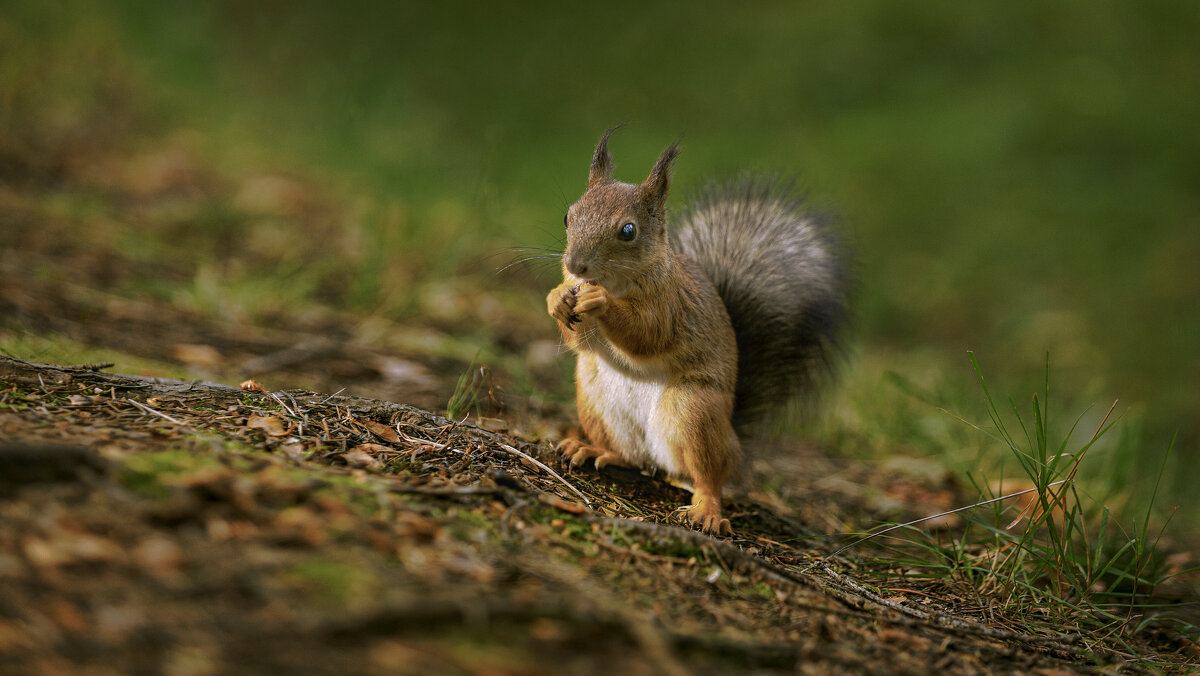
{"x": 617, "y": 232}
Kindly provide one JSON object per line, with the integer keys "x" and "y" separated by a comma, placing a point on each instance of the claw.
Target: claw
{"x": 576, "y": 452}
{"x": 707, "y": 518}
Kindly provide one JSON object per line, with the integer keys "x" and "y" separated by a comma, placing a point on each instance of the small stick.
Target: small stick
{"x": 285, "y": 406}
{"x": 331, "y": 396}
{"x": 556, "y": 475}
{"x": 147, "y": 409}
{"x": 436, "y": 445}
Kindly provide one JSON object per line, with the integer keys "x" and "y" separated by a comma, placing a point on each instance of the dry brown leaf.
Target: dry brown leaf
{"x": 252, "y": 386}
{"x": 270, "y": 424}
{"x": 382, "y": 431}
{"x": 564, "y": 505}
{"x": 359, "y": 456}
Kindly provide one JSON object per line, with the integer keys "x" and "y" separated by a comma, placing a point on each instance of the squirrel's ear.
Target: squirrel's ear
{"x": 658, "y": 183}
{"x": 602, "y": 164}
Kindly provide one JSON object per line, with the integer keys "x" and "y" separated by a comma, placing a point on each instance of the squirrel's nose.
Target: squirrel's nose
{"x": 577, "y": 267}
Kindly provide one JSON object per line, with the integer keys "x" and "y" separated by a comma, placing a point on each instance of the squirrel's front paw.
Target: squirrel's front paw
{"x": 560, "y": 303}
{"x": 590, "y": 301}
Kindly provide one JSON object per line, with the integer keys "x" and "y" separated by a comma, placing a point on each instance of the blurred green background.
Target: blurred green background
{"x": 1017, "y": 178}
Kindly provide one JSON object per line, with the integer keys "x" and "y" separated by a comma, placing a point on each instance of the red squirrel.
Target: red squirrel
{"x": 686, "y": 336}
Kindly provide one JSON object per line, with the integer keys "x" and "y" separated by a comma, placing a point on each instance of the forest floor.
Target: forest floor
{"x": 160, "y": 526}
{"x": 151, "y": 525}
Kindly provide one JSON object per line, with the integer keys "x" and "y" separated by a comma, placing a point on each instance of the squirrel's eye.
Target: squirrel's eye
{"x": 628, "y": 231}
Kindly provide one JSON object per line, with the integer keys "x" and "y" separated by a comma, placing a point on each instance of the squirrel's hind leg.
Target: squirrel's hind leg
{"x": 705, "y": 512}
{"x": 699, "y": 432}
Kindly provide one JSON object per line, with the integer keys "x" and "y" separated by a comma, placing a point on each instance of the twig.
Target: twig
{"x": 283, "y": 405}
{"x": 322, "y": 402}
{"x": 554, "y": 474}
{"x": 429, "y": 442}
{"x": 147, "y": 409}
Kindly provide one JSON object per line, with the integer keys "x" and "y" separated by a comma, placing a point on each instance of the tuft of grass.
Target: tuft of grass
{"x": 1047, "y": 544}
{"x": 468, "y": 391}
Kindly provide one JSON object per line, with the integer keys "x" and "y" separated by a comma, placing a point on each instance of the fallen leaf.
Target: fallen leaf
{"x": 252, "y": 386}
{"x": 270, "y": 424}
{"x": 359, "y": 457}
{"x": 382, "y": 431}
{"x": 564, "y": 505}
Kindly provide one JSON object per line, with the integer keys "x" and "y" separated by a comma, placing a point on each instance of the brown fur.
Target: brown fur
{"x": 650, "y": 313}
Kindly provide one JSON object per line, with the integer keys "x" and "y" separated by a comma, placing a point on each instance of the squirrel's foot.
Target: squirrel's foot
{"x": 705, "y": 513}
{"x": 577, "y": 452}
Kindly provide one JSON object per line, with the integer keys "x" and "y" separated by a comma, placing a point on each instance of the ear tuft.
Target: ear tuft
{"x": 602, "y": 163}
{"x": 658, "y": 183}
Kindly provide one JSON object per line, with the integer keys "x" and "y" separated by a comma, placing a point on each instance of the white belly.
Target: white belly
{"x": 629, "y": 407}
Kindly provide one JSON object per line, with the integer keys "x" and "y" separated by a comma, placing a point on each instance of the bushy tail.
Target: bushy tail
{"x": 783, "y": 275}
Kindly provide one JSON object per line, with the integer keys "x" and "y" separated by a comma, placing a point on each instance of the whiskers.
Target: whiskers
{"x": 634, "y": 272}
{"x": 586, "y": 336}
{"x": 539, "y": 260}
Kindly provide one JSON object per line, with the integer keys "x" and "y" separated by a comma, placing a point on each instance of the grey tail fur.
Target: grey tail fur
{"x": 784, "y": 277}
